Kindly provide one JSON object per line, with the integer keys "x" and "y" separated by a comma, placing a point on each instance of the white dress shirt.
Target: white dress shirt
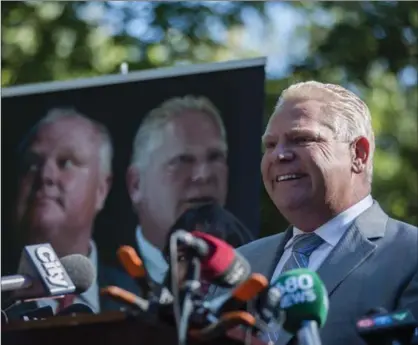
{"x": 331, "y": 232}
{"x": 90, "y": 297}
{"x": 154, "y": 260}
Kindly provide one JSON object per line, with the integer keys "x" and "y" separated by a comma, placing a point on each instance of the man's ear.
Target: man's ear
{"x": 133, "y": 185}
{"x": 361, "y": 153}
{"x": 105, "y": 183}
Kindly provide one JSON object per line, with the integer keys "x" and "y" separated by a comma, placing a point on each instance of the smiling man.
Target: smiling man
{"x": 317, "y": 169}
{"x": 179, "y": 161}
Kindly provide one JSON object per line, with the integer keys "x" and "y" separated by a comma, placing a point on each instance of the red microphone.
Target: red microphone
{"x": 221, "y": 264}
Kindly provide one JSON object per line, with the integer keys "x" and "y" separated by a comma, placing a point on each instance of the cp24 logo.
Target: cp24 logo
{"x": 297, "y": 290}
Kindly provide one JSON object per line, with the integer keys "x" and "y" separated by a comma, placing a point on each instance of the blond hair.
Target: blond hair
{"x": 349, "y": 116}
{"x": 148, "y": 135}
{"x": 106, "y": 147}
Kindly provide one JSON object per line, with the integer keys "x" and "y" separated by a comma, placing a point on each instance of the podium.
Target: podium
{"x": 111, "y": 328}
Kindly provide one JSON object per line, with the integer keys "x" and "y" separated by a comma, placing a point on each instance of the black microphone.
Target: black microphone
{"x": 215, "y": 220}
{"x": 376, "y": 311}
{"x": 75, "y": 309}
{"x": 37, "y": 314}
{"x": 384, "y": 328}
{"x": 47, "y": 312}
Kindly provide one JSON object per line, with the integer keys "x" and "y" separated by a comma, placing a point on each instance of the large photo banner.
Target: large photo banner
{"x": 41, "y": 147}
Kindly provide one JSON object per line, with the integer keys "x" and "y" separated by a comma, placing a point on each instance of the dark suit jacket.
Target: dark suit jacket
{"x": 375, "y": 264}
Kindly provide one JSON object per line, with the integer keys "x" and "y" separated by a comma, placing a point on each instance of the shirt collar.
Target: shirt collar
{"x": 332, "y": 231}
{"x": 154, "y": 261}
{"x": 91, "y": 296}
{"x": 93, "y": 253}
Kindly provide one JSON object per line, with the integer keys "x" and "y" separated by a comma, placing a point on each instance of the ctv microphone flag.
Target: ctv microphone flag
{"x": 40, "y": 262}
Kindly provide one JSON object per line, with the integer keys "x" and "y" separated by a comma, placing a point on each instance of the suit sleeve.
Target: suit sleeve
{"x": 409, "y": 296}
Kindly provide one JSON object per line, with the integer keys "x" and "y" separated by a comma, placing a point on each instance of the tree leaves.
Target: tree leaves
{"x": 367, "y": 46}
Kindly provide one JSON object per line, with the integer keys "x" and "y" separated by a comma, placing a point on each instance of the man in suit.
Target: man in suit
{"x": 179, "y": 161}
{"x": 64, "y": 179}
{"x": 317, "y": 169}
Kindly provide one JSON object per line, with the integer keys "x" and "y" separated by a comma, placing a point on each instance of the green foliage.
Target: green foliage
{"x": 43, "y": 41}
{"x": 370, "y": 47}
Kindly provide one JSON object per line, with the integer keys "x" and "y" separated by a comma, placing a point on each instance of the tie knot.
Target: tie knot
{"x": 306, "y": 243}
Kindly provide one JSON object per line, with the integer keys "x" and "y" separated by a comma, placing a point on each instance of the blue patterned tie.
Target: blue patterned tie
{"x": 303, "y": 246}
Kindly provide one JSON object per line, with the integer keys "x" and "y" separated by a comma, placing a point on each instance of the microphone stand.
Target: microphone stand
{"x": 190, "y": 291}
{"x": 308, "y": 334}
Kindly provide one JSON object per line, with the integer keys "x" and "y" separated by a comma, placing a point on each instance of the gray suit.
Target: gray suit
{"x": 375, "y": 264}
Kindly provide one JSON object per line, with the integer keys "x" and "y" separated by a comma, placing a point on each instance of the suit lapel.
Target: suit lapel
{"x": 354, "y": 247}
{"x": 352, "y": 250}
{"x": 264, "y": 261}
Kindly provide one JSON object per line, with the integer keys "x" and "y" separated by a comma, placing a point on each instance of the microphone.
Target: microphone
{"x": 221, "y": 264}
{"x": 131, "y": 262}
{"x": 75, "y": 309}
{"x": 37, "y": 314}
{"x": 212, "y": 260}
{"x": 81, "y": 273}
{"x": 237, "y": 298}
{"x": 386, "y": 328}
{"x": 304, "y": 304}
{"x": 212, "y": 218}
{"x": 134, "y": 266}
{"x": 40, "y": 273}
{"x": 125, "y": 297}
{"x": 46, "y": 312}
{"x": 223, "y": 324}
{"x": 269, "y": 305}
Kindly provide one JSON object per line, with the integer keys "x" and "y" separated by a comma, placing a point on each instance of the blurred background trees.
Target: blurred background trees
{"x": 369, "y": 47}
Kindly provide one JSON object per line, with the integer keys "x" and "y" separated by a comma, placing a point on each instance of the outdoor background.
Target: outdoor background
{"x": 369, "y": 47}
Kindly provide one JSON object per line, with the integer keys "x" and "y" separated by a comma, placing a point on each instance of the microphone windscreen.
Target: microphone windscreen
{"x": 303, "y": 298}
{"x": 80, "y": 270}
{"x": 215, "y": 220}
{"x": 224, "y": 266}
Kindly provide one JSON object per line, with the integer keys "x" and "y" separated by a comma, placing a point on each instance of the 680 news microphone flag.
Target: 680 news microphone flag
{"x": 304, "y": 301}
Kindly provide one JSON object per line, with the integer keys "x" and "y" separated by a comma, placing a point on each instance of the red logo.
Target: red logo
{"x": 365, "y": 323}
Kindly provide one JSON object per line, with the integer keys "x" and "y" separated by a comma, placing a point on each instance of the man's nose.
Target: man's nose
{"x": 283, "y": 153}
{"x": 201, "y": 172}
{"x": 47, "y": 173}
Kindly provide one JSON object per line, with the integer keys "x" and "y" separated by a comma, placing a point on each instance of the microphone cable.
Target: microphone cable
{"x": 174, "y": 281}
{"x": 183, "y": 311}
{"x": 188, "y": 303}
{"x": 4, "y": 318}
